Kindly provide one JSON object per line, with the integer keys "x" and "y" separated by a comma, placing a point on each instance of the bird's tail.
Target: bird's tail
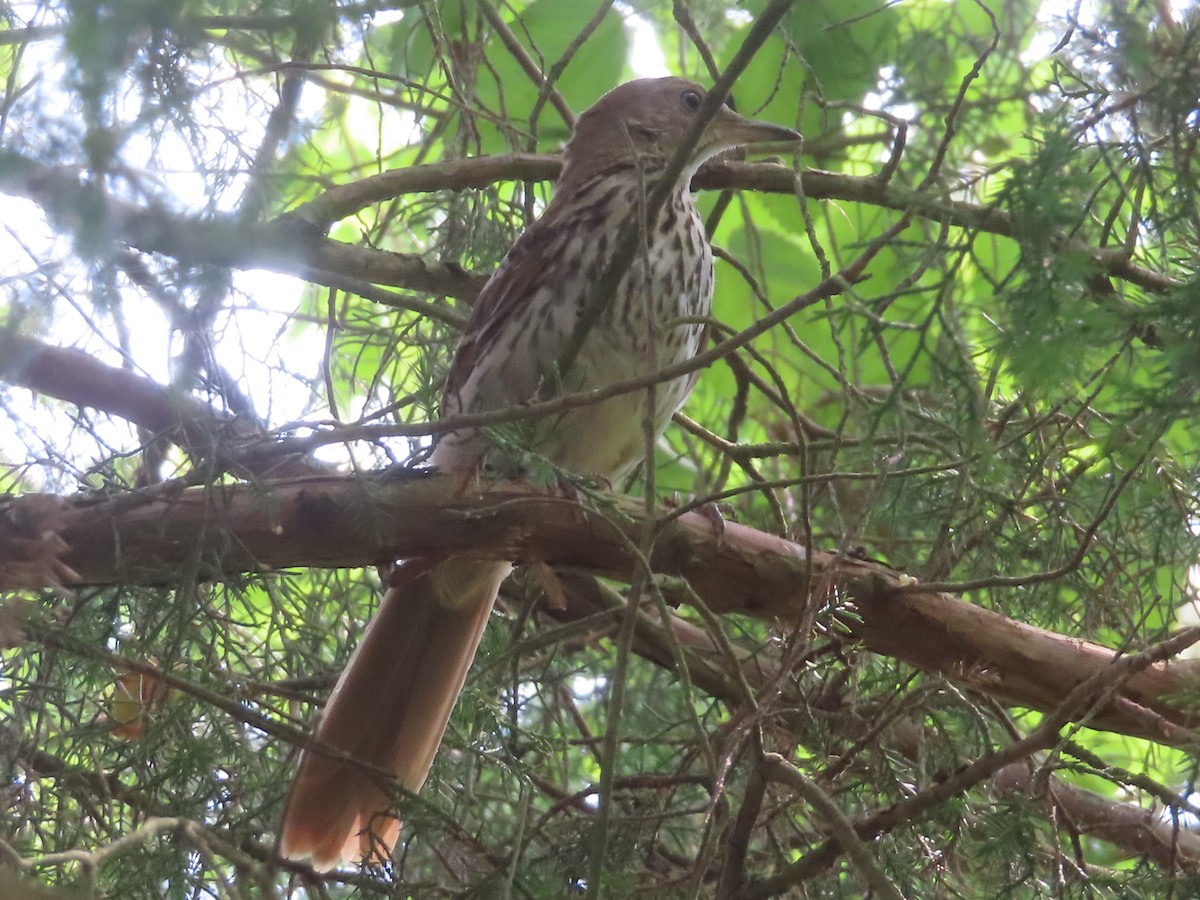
{"x": 389, "y": 710}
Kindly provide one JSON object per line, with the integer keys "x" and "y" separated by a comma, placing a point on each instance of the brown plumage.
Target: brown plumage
{"x": 391, "y": 705}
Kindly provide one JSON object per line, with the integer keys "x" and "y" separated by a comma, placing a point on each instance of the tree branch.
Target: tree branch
{"x": 1112, "y": 677}
{"x": 294, "y": 243}
{"x": 225, "y": 530}
{"x": 285, "y": 245}
{"x": 1128, "y": 826}
{"x": 1136, "y": 830}
{"x": 238, "y": 444}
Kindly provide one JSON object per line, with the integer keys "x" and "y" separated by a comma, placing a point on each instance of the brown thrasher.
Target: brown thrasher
{"x": 391, "y": 705}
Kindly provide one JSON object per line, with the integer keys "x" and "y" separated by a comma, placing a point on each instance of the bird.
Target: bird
{"x": 389, "y": 710}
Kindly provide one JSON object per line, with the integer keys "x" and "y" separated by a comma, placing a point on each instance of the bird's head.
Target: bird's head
{"x": 649, "y": 118}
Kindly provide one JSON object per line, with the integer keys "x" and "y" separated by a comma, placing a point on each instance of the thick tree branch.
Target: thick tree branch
{"x": 225, "y": 530}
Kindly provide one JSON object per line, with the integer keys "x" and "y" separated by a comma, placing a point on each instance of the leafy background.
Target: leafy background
{"x": 1009, "y": 392}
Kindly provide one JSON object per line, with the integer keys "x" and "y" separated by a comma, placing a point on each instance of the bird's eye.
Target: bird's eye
{"x": 691, "y": 99}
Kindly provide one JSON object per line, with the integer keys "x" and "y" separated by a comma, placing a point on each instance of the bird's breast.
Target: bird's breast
{"x": 650, "y": 322}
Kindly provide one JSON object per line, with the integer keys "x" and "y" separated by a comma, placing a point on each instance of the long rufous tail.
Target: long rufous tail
{"x": 389, "y": 709}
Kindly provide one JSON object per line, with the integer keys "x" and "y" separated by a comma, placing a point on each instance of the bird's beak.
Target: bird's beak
{"x": 728, "y": 129}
